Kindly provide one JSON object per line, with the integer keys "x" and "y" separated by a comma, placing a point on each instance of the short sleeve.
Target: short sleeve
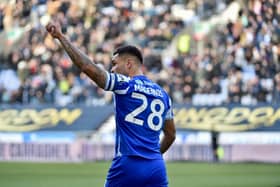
{"x": 169, "y": 114}
{"x": 117, "y": 83}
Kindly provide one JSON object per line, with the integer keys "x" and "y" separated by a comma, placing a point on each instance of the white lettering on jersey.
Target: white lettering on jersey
{"x": 148, "y": 90}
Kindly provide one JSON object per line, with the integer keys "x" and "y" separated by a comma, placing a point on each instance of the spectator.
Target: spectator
{"x": 243, "y": 53}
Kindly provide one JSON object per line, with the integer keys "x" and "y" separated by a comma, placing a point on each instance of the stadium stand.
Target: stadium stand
{"x": 238, "y": 64}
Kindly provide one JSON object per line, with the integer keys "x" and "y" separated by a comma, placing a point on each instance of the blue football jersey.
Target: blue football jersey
{"x": 141, "y": 107}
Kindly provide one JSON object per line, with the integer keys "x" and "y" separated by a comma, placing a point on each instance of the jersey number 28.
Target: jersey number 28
{"x": 155, "y": 112}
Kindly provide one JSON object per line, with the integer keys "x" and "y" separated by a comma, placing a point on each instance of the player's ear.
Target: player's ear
{"x": 129, "y": 63}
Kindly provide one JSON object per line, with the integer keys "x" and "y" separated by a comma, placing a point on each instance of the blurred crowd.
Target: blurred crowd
{"x": 239, "y": 64}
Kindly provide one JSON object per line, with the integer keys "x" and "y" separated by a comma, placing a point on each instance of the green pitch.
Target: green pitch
{"x": 181, "y": 174}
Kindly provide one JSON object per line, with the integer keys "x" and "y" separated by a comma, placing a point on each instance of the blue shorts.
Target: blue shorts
{"x": 132, "y": 171}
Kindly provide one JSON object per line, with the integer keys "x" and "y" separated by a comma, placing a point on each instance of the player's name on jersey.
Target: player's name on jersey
{"x": 148, "y": 90}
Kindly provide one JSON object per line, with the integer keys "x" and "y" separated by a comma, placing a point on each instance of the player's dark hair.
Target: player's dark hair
{"x": 129, "y": 49}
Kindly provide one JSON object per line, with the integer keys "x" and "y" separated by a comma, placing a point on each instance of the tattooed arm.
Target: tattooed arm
{"x": 81, "y": 60}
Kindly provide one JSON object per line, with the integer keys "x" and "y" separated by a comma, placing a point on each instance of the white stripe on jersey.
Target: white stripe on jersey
{"x": 119, "y": 147}
{"x": 169, "y": 114}
{"x": 107, "y": 80}
{"x": 112, "y": 80}
{"x": 122, "y": 91}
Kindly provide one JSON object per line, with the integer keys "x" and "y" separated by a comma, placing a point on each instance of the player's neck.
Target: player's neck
{"x": 135, "y": 73}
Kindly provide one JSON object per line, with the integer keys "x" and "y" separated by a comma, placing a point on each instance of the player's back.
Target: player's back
{"x": 141, "y": 109}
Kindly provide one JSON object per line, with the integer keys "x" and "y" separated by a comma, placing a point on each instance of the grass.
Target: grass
{"x": 181, "y": 174}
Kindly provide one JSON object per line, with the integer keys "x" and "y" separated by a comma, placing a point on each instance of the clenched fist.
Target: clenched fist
{"x": 54, "y": 29}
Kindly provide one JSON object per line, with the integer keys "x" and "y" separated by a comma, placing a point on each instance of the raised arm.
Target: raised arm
{"x": 95, "y": 72}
